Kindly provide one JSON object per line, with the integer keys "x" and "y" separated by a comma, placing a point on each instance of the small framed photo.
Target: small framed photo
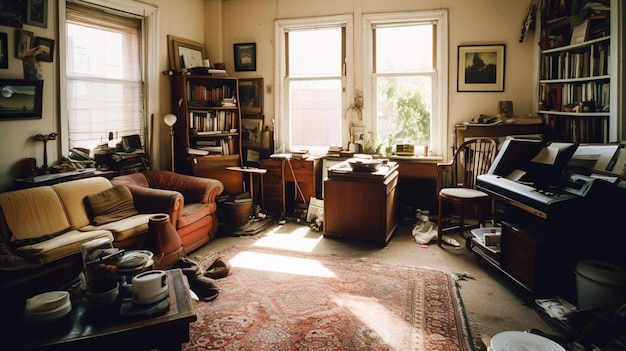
{"x": 245, "y": 57}
{"x": 4, "y": 50}
{"x": 185, "y": 53}
{"x": 46, "y": 46}
{"x": 251, "y": 132}
{"x": 23, "y": 42}
{"x": 481, "y": 68}
{"x": 251, "y": 96}
{"x": 37, "y": 13}
{"x": 20, "y": 99}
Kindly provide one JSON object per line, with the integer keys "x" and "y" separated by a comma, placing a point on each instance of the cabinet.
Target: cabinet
{"x": 289, "y": 184}
{"x": 207, "y": 135}
{"x": 577, "y": 66}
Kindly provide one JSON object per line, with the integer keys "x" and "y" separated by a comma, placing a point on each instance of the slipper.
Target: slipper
{"x": 218, "y": 269}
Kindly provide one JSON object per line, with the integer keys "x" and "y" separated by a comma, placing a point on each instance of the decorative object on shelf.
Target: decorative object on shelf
{"x": 481, "y": 68}
{"x": 45, "y": 138}
{"x": 245, "y": 57}
{"x": 170, "y": 120}
{"x": 185, "y": 53}
{"x": 505, "y": 108}
{"x": 4, "y": 49}
{"x": 251, "y": 96}
{"x": 37, "y": 13}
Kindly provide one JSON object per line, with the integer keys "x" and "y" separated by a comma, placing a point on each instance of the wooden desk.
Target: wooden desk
{"x": 95, "y": 329}
{"x": 289, "y": 184}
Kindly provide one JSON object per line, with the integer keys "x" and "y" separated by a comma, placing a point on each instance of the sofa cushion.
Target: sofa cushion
{"x": 63, "y": 245}
{"x": 193, "y": 213}
{"x": 33, "y": 213}
{"x": 124, "y": 228}
{"x": 73, "y": 195}
{"x": 111, "y": 205}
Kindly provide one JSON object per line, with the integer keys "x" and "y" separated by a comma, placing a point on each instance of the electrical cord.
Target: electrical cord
{"x": 295, "y": 180}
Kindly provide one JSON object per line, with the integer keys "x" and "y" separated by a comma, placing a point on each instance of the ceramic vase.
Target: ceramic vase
{"x": 165, "y": 242}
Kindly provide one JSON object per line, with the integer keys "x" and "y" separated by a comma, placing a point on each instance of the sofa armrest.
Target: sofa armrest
{"x": 194, "y": 189}
{"x": 149, "y": 200}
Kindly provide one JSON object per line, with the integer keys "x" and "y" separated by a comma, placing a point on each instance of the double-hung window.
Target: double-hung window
{"x": 405, "y": 82}
{"x": 313, "y": 74}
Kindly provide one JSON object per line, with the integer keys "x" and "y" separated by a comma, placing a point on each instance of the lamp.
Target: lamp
{"x": 45, "y": 138}
{"x": 169, "y": 120}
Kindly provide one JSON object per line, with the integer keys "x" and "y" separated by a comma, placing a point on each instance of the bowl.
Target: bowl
{"x": 364, "y": 165}
{"x": 104, "y": 298}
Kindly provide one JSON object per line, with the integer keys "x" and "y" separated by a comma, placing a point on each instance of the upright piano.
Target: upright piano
{"x": 554, "y": 209}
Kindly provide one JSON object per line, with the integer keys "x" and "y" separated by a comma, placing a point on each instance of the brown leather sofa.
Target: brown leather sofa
{"x": 194, "y": 211}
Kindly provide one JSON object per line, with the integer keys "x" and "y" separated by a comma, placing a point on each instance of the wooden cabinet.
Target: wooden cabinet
{"x": 361, "y": 205}
{"x": 207, "y": 134}
{"x": 577, "y": 86}
{"x": 289, "y": 184}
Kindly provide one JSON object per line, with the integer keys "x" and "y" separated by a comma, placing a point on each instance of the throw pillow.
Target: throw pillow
{"x": 111, "y": 205}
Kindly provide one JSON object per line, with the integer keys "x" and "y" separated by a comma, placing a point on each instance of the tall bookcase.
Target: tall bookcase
{"x": 207, "y": 135}
{"x": 577, "y": 72}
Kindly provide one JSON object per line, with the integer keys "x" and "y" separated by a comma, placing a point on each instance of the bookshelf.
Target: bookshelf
{"x": 576, "y": 74}
{"x": 207, "y": 138}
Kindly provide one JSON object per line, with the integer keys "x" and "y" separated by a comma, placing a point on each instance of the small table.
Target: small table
{"x": 251, "y": 172}
{"x": 102, "y": 328}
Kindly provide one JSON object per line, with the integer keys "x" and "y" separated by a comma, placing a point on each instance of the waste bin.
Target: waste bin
{"x": 599, "y": 283}
{"x": 236, "y": 214}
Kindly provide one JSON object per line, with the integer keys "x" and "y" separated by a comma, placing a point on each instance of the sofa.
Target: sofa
{"x": 194, "y": 212}
{"x": 42, "y": 229}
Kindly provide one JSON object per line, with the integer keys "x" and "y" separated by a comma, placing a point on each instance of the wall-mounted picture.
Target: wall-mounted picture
{"x": 20, "y": 98}
{"x": 12, "y": 13}
{"x": 251, "y": 132}
{"x": 481, "y": 68}
{"x": 185, "y": 53}
{"x": 46, "y": 47}
{"x": 251, "y": 96}
{"x": 4, "y": 50}
{"x": 245, "y": 57}
{"x": 23, "y": 42}
{"x": 37, "y": 13}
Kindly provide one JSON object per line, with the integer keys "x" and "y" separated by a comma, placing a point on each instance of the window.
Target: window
{"x": 314, "y": 77}
{"x": 106, "y": 86}
{"x": 406, "y": 74}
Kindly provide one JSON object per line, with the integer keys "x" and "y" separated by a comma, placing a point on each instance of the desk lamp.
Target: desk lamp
{"x": 169, "y": 120}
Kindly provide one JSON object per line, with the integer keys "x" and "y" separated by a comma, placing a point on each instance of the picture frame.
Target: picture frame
{"x": 251, "y": 132}
{"x": 37, "y": 13}
{"x": 4, "y": 50}
{"x": 579, "y": 33}
{"x": 185, "y": 53}
{"x": 20, "y": 99}
{"x": 481, "y": 68}
{"x": 47, "y": 55}
{"x": 251, "y": 96}
{"x": 13, "y": 13}
{"x": 245, "y": 57}
{"x": 23, "y": 42}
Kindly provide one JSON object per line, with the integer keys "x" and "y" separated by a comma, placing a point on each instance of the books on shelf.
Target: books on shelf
{"x": 212, "y": 122}
{"x": 203, "y": 95}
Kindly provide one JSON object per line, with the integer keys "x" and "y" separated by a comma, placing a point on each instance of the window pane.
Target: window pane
{"x": 404, "y": 109}
{"x": 315, "y": 113}
{"x": 314, "y": 53}
{"x": 404, "y": 48}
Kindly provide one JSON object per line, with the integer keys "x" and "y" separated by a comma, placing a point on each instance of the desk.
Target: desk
{"x": 290, "y": 183}
{"x": 95, "y": 329}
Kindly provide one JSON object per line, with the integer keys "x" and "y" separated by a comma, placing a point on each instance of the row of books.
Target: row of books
{"x": 579, "y": 130}
{"x": 565, "y": 65}
{"x": 595, "y": 96}
{"x": 212, "y": 122}
{"x": 203, "y": 95}
{"x": 220, "y": 147}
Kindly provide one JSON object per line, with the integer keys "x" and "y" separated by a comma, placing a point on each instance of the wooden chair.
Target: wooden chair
{"x": 456, "y": 182}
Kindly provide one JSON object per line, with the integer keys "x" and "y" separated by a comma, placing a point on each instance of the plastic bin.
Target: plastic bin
{"x": 599, "y": 283}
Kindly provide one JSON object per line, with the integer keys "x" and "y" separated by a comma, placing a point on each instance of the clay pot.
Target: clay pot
{"x": 166, "y": 244}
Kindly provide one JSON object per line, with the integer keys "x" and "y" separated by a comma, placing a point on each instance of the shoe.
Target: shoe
{"x": 218, "y": 269}
{"x": 206, "y": 288}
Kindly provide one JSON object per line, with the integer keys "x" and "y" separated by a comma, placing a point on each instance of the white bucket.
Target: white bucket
{"x": 599, "y": 283}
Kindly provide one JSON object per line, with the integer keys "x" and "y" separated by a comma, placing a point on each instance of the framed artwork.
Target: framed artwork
{"x": 20, "y": 99}
{"x": 37, "y": 13}
{"x": 23, "y": 42}
{"x": 251, "y": 132}
{"x": 251, "y": 96}
{"x": 4, "y": 50}
{"x": 185, "y": 53}
{"x": 12, "y": 13}
{"x": 481, "y": 68}
{"x": 47, "y": 49}
{"x": 245, "y": 57}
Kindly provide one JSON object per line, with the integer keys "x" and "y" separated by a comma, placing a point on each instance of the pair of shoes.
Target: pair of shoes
{"x": 206, "y": 288}
{"x": 218, "y": 269}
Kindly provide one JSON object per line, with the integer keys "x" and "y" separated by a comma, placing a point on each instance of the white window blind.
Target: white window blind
{"x": 104, "y": 76}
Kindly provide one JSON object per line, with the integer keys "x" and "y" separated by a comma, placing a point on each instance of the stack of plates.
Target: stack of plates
{"x": 522, "y": 341}
{"x": 48, "y": 306}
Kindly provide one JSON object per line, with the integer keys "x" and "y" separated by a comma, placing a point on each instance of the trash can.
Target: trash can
{"x": 599, "y": 283}
{"x": 236, "y": 214}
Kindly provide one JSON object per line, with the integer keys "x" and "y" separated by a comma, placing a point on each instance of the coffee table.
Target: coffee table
{"x": 94, "y": 328}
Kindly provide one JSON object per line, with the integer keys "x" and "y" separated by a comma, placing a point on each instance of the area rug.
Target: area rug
{"x": 281, "y": 300}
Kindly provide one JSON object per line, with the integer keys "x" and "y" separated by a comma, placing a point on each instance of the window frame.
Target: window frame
{"x": 281, "y": 96}
{"x": 149, "y": 52}
{"x": 439, "y": 116}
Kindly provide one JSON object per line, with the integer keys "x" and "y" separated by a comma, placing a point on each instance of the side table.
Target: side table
{"x": 251, "y": 172}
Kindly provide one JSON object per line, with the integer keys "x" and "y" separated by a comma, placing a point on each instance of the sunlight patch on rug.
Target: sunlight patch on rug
{"x": 281, "y": 264}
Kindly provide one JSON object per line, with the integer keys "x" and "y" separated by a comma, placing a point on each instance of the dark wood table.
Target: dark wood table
{"x": 94, "y": 328}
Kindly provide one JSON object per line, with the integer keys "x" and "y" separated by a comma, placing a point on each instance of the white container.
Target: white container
{"x": 599, "y": 283}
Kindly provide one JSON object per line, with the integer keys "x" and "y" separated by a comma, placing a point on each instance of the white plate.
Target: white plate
{"x": 47, "y": 301}
{"x": 50, "y": 315}
{"x": 522, "y": 341}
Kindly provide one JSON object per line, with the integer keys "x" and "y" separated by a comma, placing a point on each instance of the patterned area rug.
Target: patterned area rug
{"x": 279, "y": 300}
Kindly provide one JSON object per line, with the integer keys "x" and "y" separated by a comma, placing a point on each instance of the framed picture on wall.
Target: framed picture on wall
{"x": 20, "y": 99}
{"x": 251, "y": 132}
{"x": 23, "y": 42}
{"x": 251, "y": 96}
{"x": 185, "y": 53}
{"x": 37, "y": 13}
{"x": 4, "y": 51}
{"x": 245, "y": 57}
{"x": 480, "y": 68}
{"x": 47, "y": 46}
